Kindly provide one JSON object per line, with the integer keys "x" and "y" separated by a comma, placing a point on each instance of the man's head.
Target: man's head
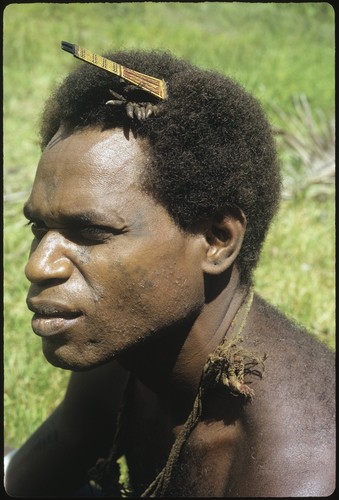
{"x": 109, "y": 268}
{"x": 210, "y": 150}
{"x": 138, "y": 225}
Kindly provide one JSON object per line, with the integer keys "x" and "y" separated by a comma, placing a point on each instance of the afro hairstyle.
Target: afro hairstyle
{"x": 211, "y": 145}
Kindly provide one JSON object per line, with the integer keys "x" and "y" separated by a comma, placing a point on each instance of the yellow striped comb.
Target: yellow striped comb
{"x": 145, "y": 82}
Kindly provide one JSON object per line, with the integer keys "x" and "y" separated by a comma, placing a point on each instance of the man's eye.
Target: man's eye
{"x": 38, "y": 229}
{"x": 93, "y": 233}
{"x": 96, "y": 233}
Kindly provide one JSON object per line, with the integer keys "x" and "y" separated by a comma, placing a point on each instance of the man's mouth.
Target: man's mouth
{"x": 50, "y": 319}
{"x": 55, "y": 323}
{"x": 57, "y": 314}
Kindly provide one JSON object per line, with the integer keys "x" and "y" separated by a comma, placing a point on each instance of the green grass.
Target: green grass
{"x": 296, "y": 267}
{"x": 276, "y": 51}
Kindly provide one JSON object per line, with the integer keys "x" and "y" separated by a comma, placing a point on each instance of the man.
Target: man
{"x": 148, "y": 217}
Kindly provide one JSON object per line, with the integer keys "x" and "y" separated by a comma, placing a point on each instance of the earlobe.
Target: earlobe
{"x": 224, "y": 238}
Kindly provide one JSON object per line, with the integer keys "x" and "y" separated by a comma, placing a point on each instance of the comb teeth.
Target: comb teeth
{"x": 69, "y": 47}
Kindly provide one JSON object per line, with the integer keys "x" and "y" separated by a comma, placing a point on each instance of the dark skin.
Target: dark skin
{"x": 116, "y": 286}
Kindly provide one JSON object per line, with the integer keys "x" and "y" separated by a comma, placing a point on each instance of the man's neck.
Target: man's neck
{"x": 172, "y": 366}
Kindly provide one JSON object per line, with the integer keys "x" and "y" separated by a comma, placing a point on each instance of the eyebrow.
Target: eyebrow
{"x": 80, "y": 219}
{"x": 28, "y": 213}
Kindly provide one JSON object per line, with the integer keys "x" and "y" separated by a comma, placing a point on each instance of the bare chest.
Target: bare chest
{"x": 204, "y": 463}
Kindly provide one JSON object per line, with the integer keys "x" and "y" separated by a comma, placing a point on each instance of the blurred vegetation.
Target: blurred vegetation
{"x": 282, "y": 53}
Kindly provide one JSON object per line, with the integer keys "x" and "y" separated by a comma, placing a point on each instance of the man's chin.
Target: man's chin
{"x": 65, "y": 364}
{"x": 66, "y": 358}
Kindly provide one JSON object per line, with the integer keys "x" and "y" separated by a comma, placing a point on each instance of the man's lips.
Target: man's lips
{"x": 52, "y": 318}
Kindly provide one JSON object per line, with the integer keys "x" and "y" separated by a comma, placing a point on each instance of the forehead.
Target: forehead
{"x": 87, "y": 168}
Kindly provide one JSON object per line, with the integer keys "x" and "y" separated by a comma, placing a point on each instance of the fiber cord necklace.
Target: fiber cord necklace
{"x": 225, "y": 366}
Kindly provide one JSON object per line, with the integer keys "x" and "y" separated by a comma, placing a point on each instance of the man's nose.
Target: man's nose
{"x": 49, "y": 260}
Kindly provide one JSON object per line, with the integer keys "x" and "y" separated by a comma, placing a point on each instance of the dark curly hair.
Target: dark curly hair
{"x": 211, "y": 144}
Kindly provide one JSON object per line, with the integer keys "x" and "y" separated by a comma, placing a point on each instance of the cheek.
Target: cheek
{"x": 150, "y": 287}
{"x": 149, "y": 291}
{"x": 33, "y": 247}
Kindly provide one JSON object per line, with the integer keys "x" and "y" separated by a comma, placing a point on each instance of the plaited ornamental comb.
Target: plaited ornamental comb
{"x": 150, "y": 84}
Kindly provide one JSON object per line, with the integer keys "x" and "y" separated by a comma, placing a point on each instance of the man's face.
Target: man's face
{"x": 108, "y": 266}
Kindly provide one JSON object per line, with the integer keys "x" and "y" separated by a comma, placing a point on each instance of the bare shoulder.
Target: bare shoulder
{"x": 291, "y": 421}
{"x": 54, "y": 461}
{"x": 296, "y": 360}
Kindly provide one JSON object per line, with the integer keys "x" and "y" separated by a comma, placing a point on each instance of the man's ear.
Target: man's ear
{"x": 224, "y": 237}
